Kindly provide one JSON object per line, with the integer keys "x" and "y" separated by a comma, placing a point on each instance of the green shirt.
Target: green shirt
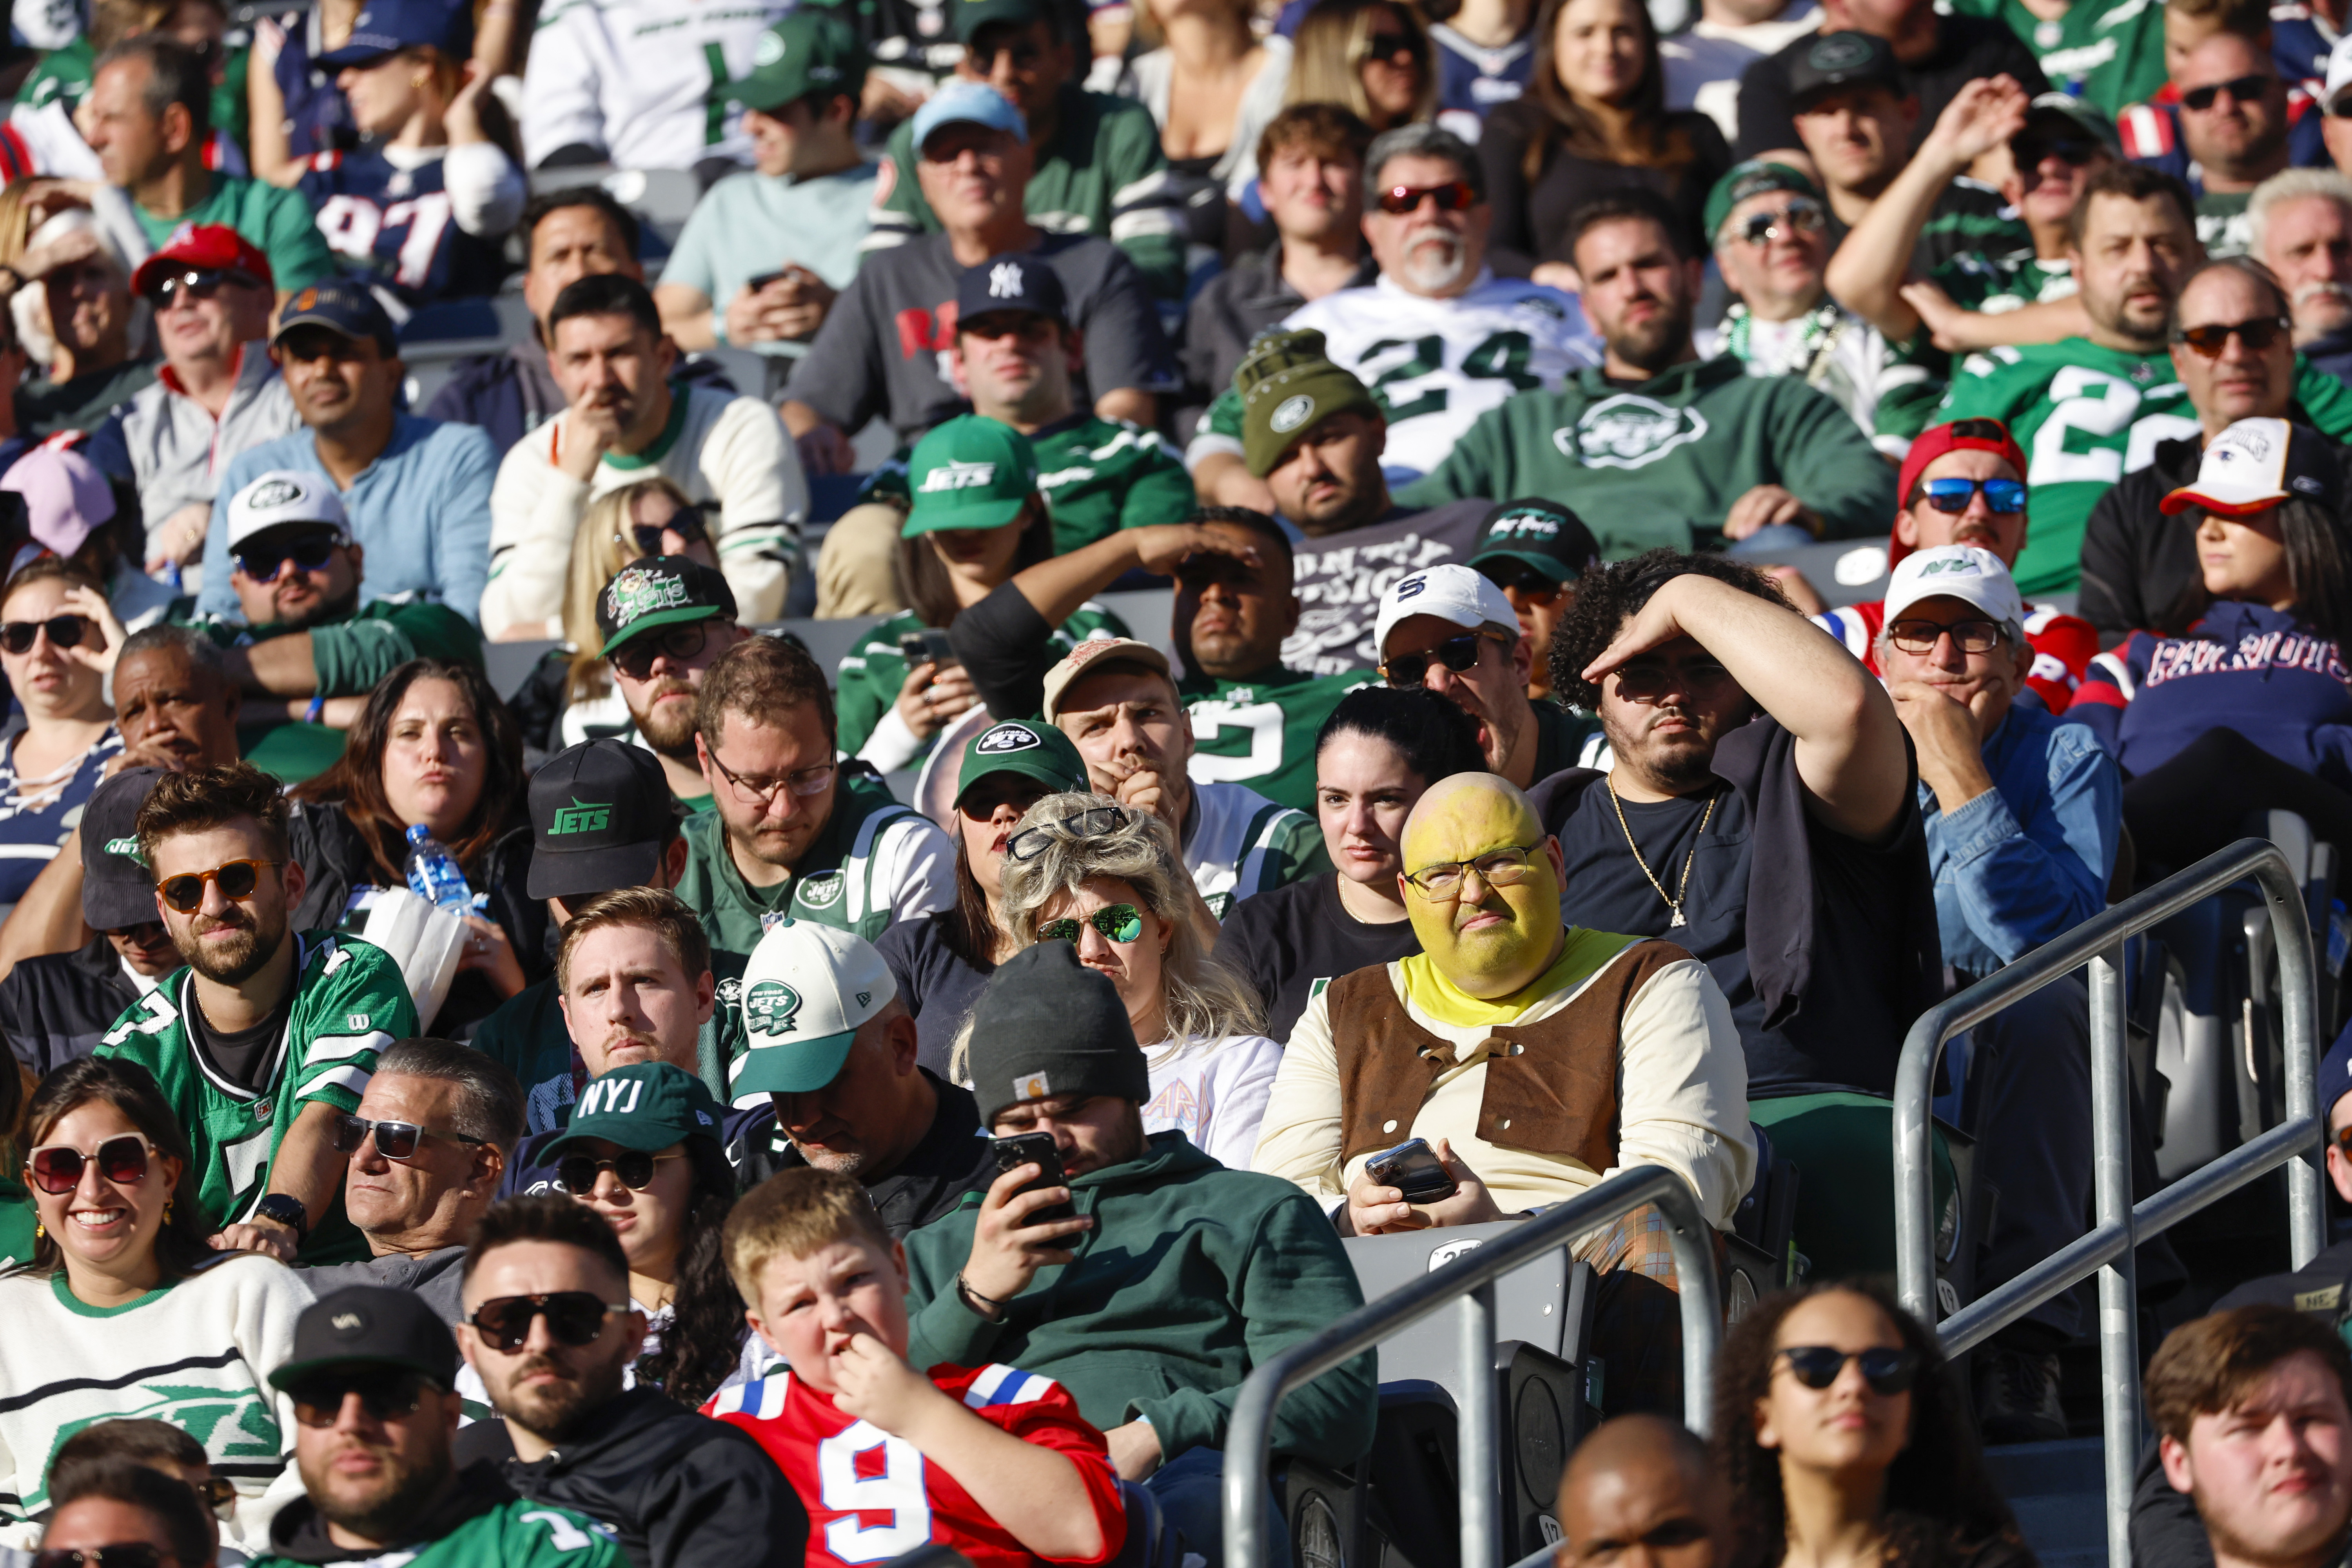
{"x": 44, "y": 406}
{"x": 64, "y": 75}
{"x": 870, "y": 676}
{"x": 528, "y": 1037}
{"x": 842, "y": 880}
{"x": 2085, "y": 416}
{"x": 2108, "y": 53}
{"x": 1261, "y": 731}
{"x": 1097, "y": 475}
{"x": 279, "y": 221}
{"x": 2221, "y": 225}
{"x": 1661, "y": 463}
{"x": 516, "y": 1533}
{"x": 1997, "y": 283}
{"x": 17, "y": 1218}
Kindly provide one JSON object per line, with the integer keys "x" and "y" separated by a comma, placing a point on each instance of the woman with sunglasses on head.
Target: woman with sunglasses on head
{"x": 55, "y": 650}
{"x": 1845, "y": 1440}
{"x": 124, "y": 1292}
{"x": 1370, "y": 56}
{"x": 1594, "y": 118}
{"x": 1110, "y": 881}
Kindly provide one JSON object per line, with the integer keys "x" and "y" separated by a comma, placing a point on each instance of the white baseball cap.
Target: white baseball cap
{"x": 1453, "y": 593}
{"x": 2255, "y": 465}
{"x": 805, "y": 991}
{"x": 1956, "y": 571}
{"x": 2339, "y": 71}
{"x": 283, "y": 498}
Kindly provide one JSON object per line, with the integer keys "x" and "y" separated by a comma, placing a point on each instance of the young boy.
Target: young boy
{"x": 993, "y": 1461}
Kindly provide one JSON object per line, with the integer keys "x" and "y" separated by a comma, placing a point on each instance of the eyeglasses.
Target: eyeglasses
{"x": 1886, "y": 1370}
{"x": 1801, "y": 216}
{"x": 2026, "y": 152}
{"x": 238, "y": 879}
{"x": 806, "y": 782}
{"x": 202, "y": 283}
{"x": 121, "y": 1554}
{"x": 385, "y": 1394}
{"x": 310, "y": 555}
{"x": 1456, "y": 653}
{"x": 57, "y": 1168}
{"x": 65, "y": 631}
{"x": 1092, "y": 822}
{"x": 676, "y": 644}
{"x": 633, "y": 1167}
{"x": 2208, "y": 340}
{"x": 1121, "y": 924}
{"x": 687, "y": 522}
{"x": 1397, "y": 48}
{"x": 1452, "y": 196}
{"x": 393, "y": 1140}
{"x": 1496, "y": 868}
{"x": 574, "y": 1317}
{"x": 1921, "y": 637}
{"x": 2242, "y": 88}
{"x": 1952, "y": 496}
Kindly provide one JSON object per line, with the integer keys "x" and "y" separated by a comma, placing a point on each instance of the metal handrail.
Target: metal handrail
{"x": 1249, "y": 1434}
{"x": 2296, "y": 1142}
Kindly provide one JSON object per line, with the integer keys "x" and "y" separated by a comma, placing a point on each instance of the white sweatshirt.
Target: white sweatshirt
{"x": 1213, "y": 1094}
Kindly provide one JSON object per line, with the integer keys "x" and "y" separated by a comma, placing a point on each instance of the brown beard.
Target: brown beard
{"x": 669, "y": 737}
{"x": 241, "y": 959}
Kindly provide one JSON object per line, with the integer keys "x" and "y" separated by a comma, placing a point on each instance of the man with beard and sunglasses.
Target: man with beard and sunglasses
{"x": 1658, "y": 446}
{"x": 550, "y": 1331}
{"x": 264, "y": 1043}
{"x": 373, "y": 1385}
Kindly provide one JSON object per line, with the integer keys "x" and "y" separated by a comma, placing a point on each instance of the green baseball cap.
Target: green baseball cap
{"x": 1752, "y": 178}
{"x": 1287, "y": 383}
{"x": 970, "y": 472}
{"x": 812, "y": 50}
{"x": 1034, "y": 750}
{"x": 644, "y": 1106}
{"x": 972, "y": 16}
{"x": 1538, "y": 533}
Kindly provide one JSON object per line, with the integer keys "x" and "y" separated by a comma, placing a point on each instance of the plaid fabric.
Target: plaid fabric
{"x": 1637, "y": 1314}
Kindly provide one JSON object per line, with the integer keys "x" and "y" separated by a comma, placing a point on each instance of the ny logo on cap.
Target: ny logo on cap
{"x": 959, "y": 477}
{"x": 1007, "y": 738}
{"x": 769, "y": 1008}
{"x": 580, "y": 818}
{"x": 1005, "y": 280}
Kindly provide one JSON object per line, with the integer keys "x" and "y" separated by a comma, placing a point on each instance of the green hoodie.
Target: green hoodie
{"x": 1193, "y": 1277}
{"x": 1661, "y": 463}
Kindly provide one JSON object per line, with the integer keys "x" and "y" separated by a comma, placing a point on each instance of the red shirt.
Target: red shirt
{"x": 871, "y": 1497}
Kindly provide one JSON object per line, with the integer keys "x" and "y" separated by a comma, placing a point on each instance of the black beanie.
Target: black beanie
{"x": 1048, "y": 1026}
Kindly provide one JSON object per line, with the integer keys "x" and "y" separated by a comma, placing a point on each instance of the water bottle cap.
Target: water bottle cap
{"x": 419, "y": 834}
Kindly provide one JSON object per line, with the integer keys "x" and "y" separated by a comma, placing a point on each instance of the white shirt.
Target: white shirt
{"x": 634, "y": 78}
{"x": 1703, "y": 65}
{"x": 1214, "y": 1093}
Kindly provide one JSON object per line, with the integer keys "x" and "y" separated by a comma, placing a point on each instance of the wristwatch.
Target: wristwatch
{"x": 286, "y": 1210}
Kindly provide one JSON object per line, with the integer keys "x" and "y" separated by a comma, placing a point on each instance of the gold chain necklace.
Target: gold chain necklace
{"x": 1682, "y": 889}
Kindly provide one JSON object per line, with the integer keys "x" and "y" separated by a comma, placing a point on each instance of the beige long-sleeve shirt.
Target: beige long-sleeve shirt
{"x": 1682, "y": 1096}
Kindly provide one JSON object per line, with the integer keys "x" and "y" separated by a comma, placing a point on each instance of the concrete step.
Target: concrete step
{"x": 2058, "y": 1495}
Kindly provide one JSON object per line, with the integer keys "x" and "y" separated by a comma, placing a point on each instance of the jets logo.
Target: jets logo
{"x": 272, "y": 494}
{"x": 1007, "y": 738}
{"x": 1524, "y": 526}
{"x": 1291, "y": 414}
{"x": 1628, "y": 431}
{"x": 126, "y": 848}
{"x": 730, "y": 992}
{"x": 769, "y": 1006}
{"x": 959, "y": 477}
{"x": 770, "y": 50}
{"x": 824, "y": 890}
{"x": 581, "y": 816}
{"x": 1840, "y": 54}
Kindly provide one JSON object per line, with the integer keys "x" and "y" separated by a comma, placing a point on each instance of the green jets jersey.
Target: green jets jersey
{"x": 516, "y": 1534}
{"x": 349, "y": 1003}
{"x": 875, "y": 861}
{"x": 2108, "y": 53}
{"x": 1994, "y": 284}
{"x": 2222, "y": 226}
{"x": 866, "y": 686}
{"x": 2087, "y": 415}
{"x": 1261, "y": 731}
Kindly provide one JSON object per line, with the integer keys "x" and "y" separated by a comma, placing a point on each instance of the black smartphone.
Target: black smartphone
{"x": 1411, "y": 1168}
{"x": 928, "y": 646}
{"x": 1036, "y": 1149}
{"x": 762, "y": 280}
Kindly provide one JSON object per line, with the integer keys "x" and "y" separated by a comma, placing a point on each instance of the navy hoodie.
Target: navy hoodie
{"x": 2262, "y": 672}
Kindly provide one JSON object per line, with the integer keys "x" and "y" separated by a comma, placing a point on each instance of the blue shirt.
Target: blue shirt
{"x": 2031, "y": 856}
{"x": 421, "y": 512}
{"x": 36, "y": 814}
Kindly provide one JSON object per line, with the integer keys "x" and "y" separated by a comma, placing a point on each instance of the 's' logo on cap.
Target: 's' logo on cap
{"x": 769, "y": 1006}
{"x": 580, "y": 818}
{"x": 1007, "y": 738}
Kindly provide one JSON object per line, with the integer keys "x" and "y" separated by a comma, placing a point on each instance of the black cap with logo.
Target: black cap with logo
{"x": 601, "y": 813}
{"x": 1844, "y": 59}
{"x": 369, "y": 1325}
{"x": 656, "y": 592}
{"x": 118, "y": 890}
{"x": 1018, "y": 280}
{"x": 1540, "y": 534}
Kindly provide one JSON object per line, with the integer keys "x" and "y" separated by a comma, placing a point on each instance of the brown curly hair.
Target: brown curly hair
{"x": 1610, "y": 594}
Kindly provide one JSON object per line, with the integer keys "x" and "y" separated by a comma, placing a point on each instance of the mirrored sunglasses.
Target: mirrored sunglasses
{"x": 393, "y": 1140}
{"x": 2004, "y": 496}
{"x": 1121, "y": 924}
{"x": 1802, "y": 215}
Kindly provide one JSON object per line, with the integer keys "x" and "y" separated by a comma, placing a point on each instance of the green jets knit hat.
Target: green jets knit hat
{"x": 1286, "y": 384}
{"x": 1034, "y": 751}
{"x": 811, "y": 51}
{"x": 1752, "y": 178}
{"x": 970, "y": 472}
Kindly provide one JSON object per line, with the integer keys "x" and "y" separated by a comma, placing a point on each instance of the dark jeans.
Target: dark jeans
{"x": 1189, "y": 1488}
{"x": 2030, "y": 1097}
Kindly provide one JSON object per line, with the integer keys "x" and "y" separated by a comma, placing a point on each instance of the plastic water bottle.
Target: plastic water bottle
{"x": 434, "y": 874}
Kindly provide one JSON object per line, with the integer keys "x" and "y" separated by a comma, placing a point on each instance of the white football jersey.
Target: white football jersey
{"x": 635, "y": 77}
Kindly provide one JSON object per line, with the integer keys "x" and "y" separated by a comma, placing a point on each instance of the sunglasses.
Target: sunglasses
{"x": 2242, "y": 88}
{"x": 1886, "y": 1370}
{"x": 1802, "y": 215}
{"x": 121, "y": 1554}
{"x": 57, "y": 1168}
{"x": 238, "y": 879}
{"x": 65, "y": 631}
{"x": 1496, "y": 868}
{"x": 2004, "y": 496}
{"x": 574, "y": 1317}
{"x": 632, "y": 1167}
{"x": 1452, "y": 196}
{"x": 310, "y": 555}
{"x": 2259, "y": 334}
{"x": 384, "y": 1394}
{"x": 1397, "y": 48}
{"x": 676, "y": 643}
{"x": 1456, "y": 653}
{"x": 200, "y": 284}
{"x": 687, "y": 522}
{"x": 393, "y": 1140}
{"x": 1526, "y": 582}
{"x": 1921, "y": 637}
{"x": 983, "y": 56}
{"x": 1120, "y": 923}
{"x": 1092, "y": 822}
{"x": 2026, "y": 152}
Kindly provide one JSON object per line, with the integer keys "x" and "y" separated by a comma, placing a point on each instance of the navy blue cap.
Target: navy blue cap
{"x": 1020, "y": 280}
{"x": 2336, "y": 1074}
{"x": 339, "y": 307}
{"x": 388, "y": 26}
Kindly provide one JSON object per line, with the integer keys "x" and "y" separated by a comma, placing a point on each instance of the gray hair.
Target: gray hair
{"x": 489, "y": 1101}
{"x": 2291, "y": 186}
{"x": 201, "y": 651}
{"x": 1420, "y": 139}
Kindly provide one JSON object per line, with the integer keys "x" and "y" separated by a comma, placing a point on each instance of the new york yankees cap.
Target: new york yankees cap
{"x": 806, "y": 990}
{"x": 118, "y": 890}
{"x": 1017, "y": 281}
{"x": 970, "y": 472}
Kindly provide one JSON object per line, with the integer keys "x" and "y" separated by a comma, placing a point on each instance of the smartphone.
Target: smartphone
{"x": 762, "y": 280}
{"x": 1036, "y": 1149}
{"x": 928, "y": 646}
{"x": 1411, "y": 1168}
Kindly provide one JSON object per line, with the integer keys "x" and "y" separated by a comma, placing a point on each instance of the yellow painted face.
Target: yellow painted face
{"x": 1499, "y": 939}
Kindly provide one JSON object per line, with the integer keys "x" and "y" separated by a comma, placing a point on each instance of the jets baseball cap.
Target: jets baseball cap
{"x": 203, "y": 248}
{"x": 970, "y": 472}
{"x": 1753, "y": 178}
{"x": 644, "y": 1106}
{"x": 1019, "y": 280}
{"x": 601, "y": 817}
{"x": 116, "y": 888}
{"x": 369, "y": 1325}
{"x": 66, "y": 497}
{"x": 806, "y": 990}
{"x": 2061, "y": 112}
{"x": 1537, "y": 533}
{"x": 1039, "y": 752}
{"x": 972, "y": 16}
{"x": 285, "y": 498}
{"x": 339, "y": 307}
{"x": 811, "y": 51}
{"x": 2255, "y": 465}
{"x": 1092, "y": 655}
{"x": 656, "y": 592}
{"x": 387, "y": 26}
{"x": 1451, "y": 593}
{"x": 1964, "y": 572}
{"x": 973, "y": 102}
{"x": 1843, "y": 60}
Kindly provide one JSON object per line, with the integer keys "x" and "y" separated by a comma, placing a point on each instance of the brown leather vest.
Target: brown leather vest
{"x": 1551, "y": 1086}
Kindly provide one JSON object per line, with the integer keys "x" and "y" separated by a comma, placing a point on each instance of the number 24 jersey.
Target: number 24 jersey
{"x": 871, "y": 1497}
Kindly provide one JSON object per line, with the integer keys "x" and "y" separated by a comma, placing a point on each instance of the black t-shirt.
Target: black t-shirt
{"x": 954, "y": 1158}
{"x": 1288, "y": 942}
{"x": 240, "y": 1055}
{"x": 1967, "y": 48}
{"x": 936, "y": 985}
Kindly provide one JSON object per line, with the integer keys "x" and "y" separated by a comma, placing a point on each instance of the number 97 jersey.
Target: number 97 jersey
{"x": 871, "y": 1497}
{"x": 396, "y": 227}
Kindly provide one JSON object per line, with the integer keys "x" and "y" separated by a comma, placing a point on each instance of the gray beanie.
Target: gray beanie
{"x": 1048, "y": 1026}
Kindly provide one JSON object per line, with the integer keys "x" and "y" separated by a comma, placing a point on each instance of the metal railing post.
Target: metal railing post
{"x": 1480, "y": 1461}
{"x": 2112, "y": 1205}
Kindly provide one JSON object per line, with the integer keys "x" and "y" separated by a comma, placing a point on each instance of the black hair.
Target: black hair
{"x": 1246, "y": 518}
{"x": 1624, "y": 202}
{"x": 2316, "y": 566}
{"x": 545, "y": 1217}
{"x": 537, "y": 210}
{"x": 704, "y": 1339}
{"x": 605, "y": 294}
{"x": 183, "y": 1243}
{"x": 177, "y": 74}
{"x": 168, "y": 1500}
{"x": 1435, "y": 737}
{"x": 1612, "y": 593}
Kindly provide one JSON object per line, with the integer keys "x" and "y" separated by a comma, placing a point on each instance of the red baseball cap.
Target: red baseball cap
{"x": 213, "y": 247}
{"x": 1959, "y": 436}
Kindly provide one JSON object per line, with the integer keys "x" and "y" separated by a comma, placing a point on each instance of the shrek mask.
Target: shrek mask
{"x": 1488, "y": 941}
